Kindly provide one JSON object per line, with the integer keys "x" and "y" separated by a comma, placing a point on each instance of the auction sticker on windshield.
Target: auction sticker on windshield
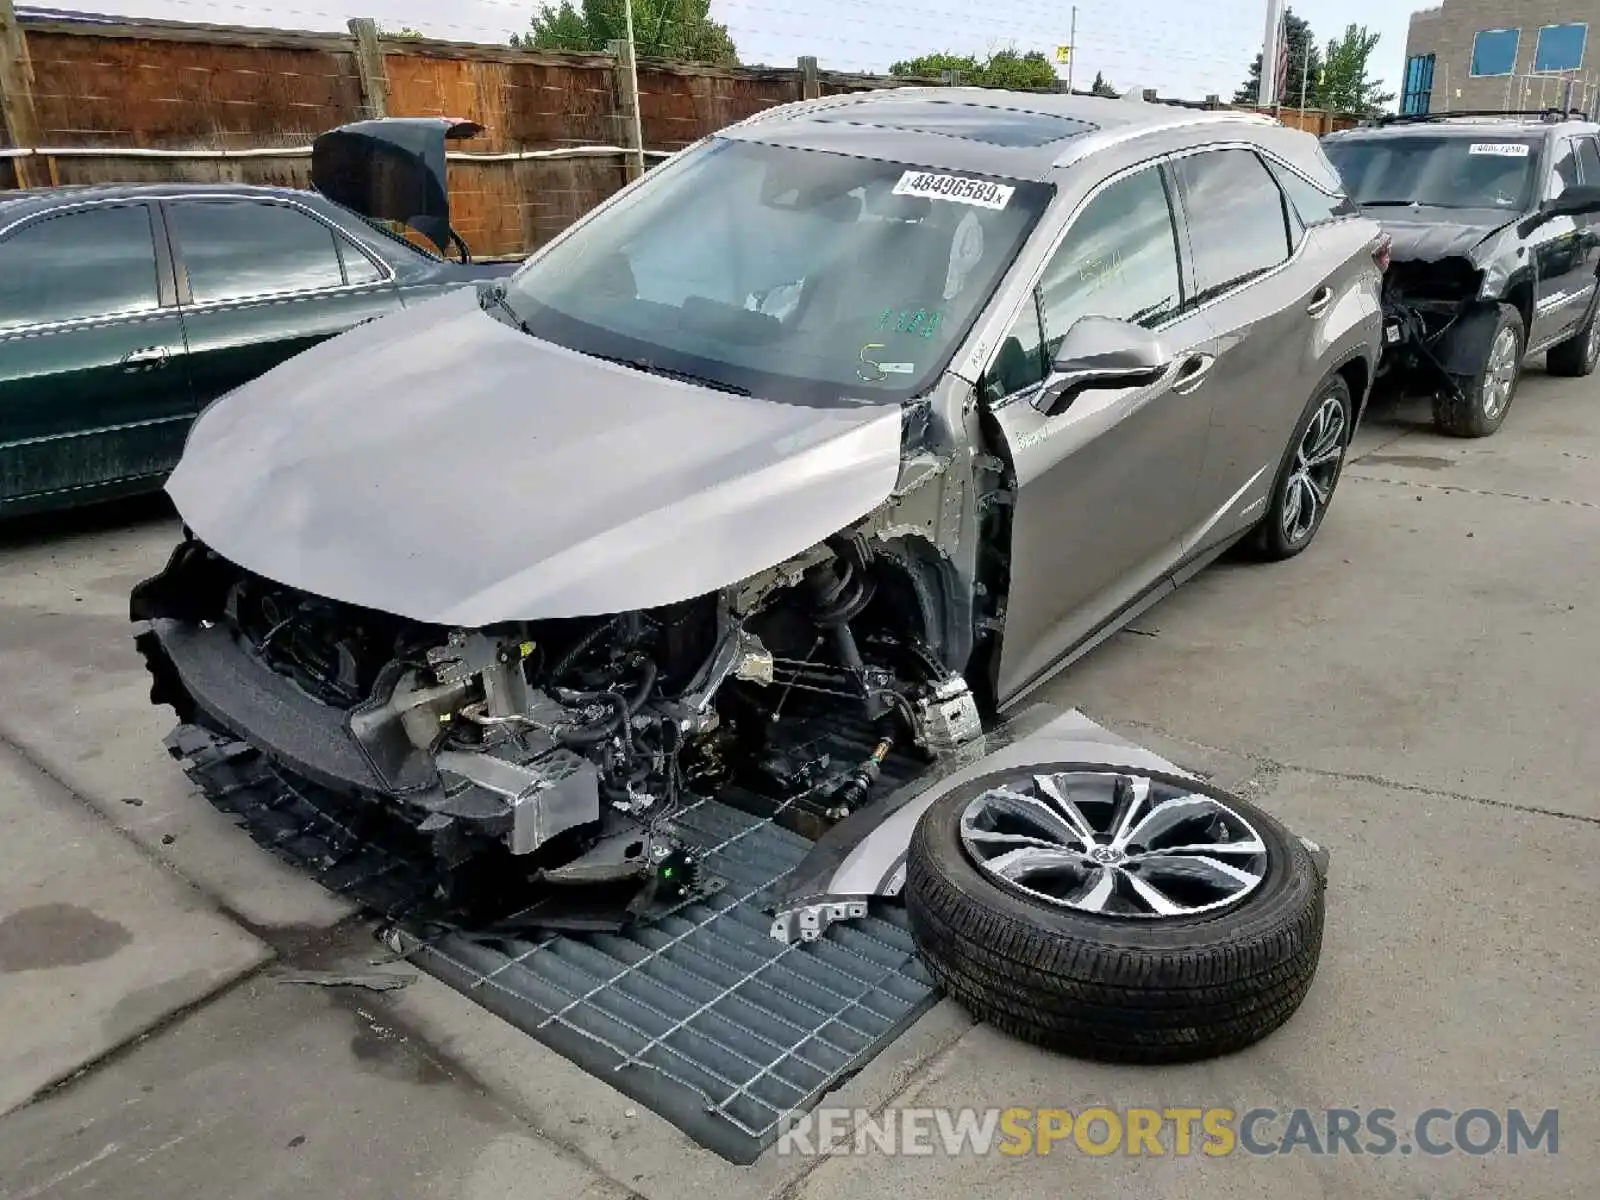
{"x": 954, "y": 187}
{"x": 1503, "y": 149}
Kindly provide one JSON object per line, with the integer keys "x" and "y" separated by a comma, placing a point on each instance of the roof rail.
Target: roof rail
{"x": 1547, "y": 115}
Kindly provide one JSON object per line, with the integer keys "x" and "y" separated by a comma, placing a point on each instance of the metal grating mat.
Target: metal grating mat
{"x": 699, "y": 1016}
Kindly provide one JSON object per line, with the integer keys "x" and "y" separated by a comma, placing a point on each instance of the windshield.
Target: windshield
{"x": 1445, "y": 172}
{"x": 793, "y": 275}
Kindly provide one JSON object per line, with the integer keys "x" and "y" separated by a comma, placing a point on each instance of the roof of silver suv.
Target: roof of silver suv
{"x": 1025, "y": 135}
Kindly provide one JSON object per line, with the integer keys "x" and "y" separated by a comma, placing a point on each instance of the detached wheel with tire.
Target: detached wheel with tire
{"x": 1308, "y": 474}
{"x": 1577, "y": 357}
{"x": 1487, "y": 394}
{"x": 1115, "y": 915}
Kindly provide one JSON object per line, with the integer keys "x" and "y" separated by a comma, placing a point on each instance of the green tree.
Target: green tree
{"x": 1002, "y": 69}
{"x": 404, "y": 34}
{"x": 1305, "y": 65}
{"x": 1345, "y": 84}
{"x": 676, "y": 29}
{"x": 1100, "y": 87}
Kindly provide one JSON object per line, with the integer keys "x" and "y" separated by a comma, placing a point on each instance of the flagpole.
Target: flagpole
{"x": 1280, "y": 58}
{"x": 1267, "y": 86}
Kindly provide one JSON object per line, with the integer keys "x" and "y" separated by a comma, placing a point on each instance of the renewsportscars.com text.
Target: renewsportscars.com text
{"x": 1176, "y": 1132}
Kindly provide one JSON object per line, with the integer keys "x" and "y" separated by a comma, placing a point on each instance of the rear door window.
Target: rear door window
{"x": 1564, "y": 170}
{"x": 243, "y": 249}
{"x": 96, "y": 262}
{"x": 1238, "y": 225}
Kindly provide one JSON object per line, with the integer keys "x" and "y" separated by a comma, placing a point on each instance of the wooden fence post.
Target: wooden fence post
{"x": 369, "y": 64}
{"x": 626, "y": 83}
{"x": 16, "y": 89}
{"x": 810, "y": 84}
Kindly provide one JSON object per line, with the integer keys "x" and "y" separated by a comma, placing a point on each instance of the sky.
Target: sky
{"x": 1185, "y": 49}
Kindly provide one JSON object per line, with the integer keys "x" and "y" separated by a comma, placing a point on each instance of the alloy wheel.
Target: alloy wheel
{"x": 1317, "y": 460}
{"x": 1122, "y": 845}
{"x": 1500, "y": 375}
{"x": 1591, "y": 349}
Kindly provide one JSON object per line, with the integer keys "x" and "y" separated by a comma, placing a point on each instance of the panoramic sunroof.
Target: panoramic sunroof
{"x": 975, "y": 122}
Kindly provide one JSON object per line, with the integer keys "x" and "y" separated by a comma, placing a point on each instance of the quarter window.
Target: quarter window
{"x": 1560, "y": 48}
{"x": 1494, "y": 51}
{"x": 1589, "y": 161}
{"x": 1313, "y": 205}
{"x": 95, "y": 263}
{"x": 1237, "y": 221}
{"x": 240, "y": 249}
{"x": 358, "y": 268}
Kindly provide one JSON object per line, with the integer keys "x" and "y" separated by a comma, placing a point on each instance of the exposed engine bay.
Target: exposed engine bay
{"x": 1424, "y": 305}
{"x": 571, "y": 744}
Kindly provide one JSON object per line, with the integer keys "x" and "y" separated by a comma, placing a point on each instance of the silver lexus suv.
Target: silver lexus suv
{"x": 826, "y": 441}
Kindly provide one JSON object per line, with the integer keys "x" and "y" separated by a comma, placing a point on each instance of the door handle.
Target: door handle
{"x": 1320, "y": 303}
{"x": 149, "y": 357}
{"x": 1193, "y": 373}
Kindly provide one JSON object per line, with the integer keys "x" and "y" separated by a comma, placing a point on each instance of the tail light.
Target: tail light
{"x": 1380, "y": 252}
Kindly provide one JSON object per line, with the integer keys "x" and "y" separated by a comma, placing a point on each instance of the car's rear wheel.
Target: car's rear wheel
{"x": 1308, "y": 474}
{"x": 1577, "y": 357}
{"x": 1112, "y": 914}
{"x": 1486, "y": 395}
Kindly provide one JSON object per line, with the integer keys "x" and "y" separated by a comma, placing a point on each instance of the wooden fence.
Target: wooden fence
{"x": 156, "y": 101}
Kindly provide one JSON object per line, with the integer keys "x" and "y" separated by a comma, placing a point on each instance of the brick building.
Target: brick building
{"x": 1502, "y": 54}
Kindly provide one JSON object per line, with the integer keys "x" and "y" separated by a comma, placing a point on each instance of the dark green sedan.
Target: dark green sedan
{"x": 125, "y": 310}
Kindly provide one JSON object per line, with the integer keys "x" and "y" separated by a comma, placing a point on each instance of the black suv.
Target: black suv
{"x": 1494, "y": 250}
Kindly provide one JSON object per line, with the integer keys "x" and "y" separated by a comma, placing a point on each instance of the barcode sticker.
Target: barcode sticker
{"x": 979, "y": 192}
{"x": 1501, "y": 149}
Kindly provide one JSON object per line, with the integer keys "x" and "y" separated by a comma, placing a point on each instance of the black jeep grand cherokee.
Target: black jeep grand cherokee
{"x": 1495, "y": 249}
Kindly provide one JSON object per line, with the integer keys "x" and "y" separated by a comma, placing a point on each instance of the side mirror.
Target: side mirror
{"x": 1101, "y": 352}
{"x": 1574, "y": 202}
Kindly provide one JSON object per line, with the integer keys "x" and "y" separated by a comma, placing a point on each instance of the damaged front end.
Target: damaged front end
{"x": 1431, "y": 314}
{"x": 568, "y": 746}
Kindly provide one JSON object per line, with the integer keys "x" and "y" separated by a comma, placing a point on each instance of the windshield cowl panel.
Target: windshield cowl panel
{"x": 799, "y": 276}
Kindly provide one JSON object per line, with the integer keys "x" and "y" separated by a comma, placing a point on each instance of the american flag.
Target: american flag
{"x": 1282, "y": 75}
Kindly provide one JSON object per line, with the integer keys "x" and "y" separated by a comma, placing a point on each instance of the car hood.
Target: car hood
{"x": 1432, "y": 234}
{"x": 442, "y": 466}
{"x": 392, "y": 169}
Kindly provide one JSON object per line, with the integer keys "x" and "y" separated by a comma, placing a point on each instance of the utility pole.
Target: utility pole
{"x": 1072, "y": 47}
{"x": 636, "y": 147}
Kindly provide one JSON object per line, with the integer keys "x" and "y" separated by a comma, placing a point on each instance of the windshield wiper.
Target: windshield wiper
{"x": 495, "y": 297}
{"x": 1390, "y": 203}
{"x": 650, "y": 368}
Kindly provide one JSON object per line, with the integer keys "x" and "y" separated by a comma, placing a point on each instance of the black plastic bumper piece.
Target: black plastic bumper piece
{"x": 207, "y": 677}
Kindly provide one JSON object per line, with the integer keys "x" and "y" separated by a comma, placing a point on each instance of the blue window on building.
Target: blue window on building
{"x": 1494, "y": 51}
{"x": 1560, "y": 48}
{"x": 1418, "y": 95}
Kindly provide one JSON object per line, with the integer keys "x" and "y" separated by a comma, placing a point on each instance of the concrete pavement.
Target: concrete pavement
{"x": 1415, "y": 692}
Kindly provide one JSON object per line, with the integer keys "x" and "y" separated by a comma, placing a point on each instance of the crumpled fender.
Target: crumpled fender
{"x": 863, "y": 858}
{"x": 1464, "y": 347}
